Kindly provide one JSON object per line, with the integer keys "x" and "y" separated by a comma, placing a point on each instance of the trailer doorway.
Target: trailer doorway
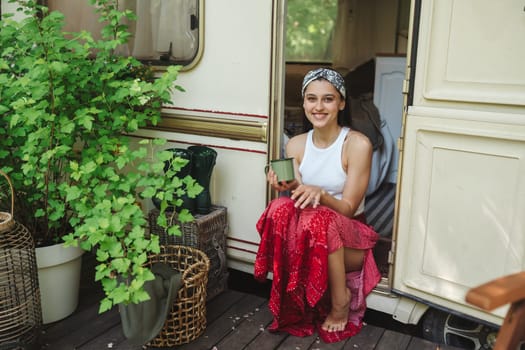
{"x": 366, "y": 41}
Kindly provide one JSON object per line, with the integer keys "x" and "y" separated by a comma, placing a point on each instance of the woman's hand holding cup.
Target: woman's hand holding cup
{"x": 280, "y": 174}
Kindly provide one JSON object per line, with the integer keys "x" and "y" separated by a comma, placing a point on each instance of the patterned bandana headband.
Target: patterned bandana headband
{"x": 330, "y": 75}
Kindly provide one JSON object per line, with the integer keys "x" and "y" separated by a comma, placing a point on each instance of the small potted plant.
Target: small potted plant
{"x": 69, "y": 108}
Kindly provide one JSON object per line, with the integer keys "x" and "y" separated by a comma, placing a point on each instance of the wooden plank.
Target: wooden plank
{"x": 449, "y": 347}
{"x": 113, "y": 338}
{"x": 393, "y": 341}
{"x": 422, "y": 344}
{"x": 86, "y": 332}
{"x": 366, "y": 339}
{"x": 214, "y": 309}
{"x": 297, "y": 343}
{"x": 267, "y": 340}
{"x": 253, "y": 324}
{"x": 235, "y": 321}
{"x": 68, "y": 325}
{"x": 228, "y": 321}
{"x": 222, "y": 302}
{"x": 318, "y": 344}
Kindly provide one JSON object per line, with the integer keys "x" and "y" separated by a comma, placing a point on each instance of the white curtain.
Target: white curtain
{"x": 160, "y": 23}
{"x": 363, "y": 29}
{"x": 79, "y": 15}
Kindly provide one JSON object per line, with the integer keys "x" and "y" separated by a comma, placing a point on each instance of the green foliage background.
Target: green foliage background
{"x": 309, "y": 30}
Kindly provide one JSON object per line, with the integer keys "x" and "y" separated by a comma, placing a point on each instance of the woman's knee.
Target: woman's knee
{"x": 279, "y": 204}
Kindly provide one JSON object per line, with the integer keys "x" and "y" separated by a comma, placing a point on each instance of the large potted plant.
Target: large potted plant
{"x": 69, "y": 107}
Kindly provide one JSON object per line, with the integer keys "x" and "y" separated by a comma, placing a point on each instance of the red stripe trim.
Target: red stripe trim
{"x": 241, "y": 249}
{"x": 242, "y": 241}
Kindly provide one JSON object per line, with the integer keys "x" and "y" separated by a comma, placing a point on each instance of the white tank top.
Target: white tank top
{"x": 323, "y": 167}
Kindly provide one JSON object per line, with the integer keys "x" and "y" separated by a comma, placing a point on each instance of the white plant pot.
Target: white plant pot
{"x": 59, "y": 280}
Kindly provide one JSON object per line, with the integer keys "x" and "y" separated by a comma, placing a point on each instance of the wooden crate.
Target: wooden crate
{"x": 206, "y": 233}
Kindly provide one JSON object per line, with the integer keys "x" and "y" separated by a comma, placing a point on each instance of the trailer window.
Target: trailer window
{"x": 166, "y": 32}
{"x": 309, "y": 30}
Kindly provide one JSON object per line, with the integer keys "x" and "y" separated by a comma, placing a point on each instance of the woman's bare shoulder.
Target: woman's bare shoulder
{"x": 357, "y": 143}
{"x": 300, "y": 138}
{"x": 358, "y": 139}
{"x": 296, "y": 145}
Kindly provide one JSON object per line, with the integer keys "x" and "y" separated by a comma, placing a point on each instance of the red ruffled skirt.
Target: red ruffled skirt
{"x": 294, "y": 246}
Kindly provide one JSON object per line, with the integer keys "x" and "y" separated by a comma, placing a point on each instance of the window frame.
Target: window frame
{"x": 161, "y": 65}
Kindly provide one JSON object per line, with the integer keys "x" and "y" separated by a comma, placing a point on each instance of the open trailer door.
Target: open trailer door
{"x": 462, "y": 183}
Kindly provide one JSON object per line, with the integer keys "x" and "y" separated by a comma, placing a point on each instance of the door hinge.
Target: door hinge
{"x": 400, "y": 144}
{"x": 406, "y": 86}
{"x": 391, "y": 253}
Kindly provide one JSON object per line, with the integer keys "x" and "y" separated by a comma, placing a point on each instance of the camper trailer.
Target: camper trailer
{"x": 448, "y": 81}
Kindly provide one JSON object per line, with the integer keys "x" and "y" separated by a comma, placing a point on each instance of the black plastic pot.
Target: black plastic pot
{"x": 203, "y": 162}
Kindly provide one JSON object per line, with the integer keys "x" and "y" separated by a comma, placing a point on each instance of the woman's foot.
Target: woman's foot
{"x": 338, "y": 317}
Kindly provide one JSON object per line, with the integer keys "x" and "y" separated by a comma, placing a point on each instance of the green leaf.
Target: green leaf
{"x": 148, "y": 192}
{"x": 73, "y": 165}
{"x": 73, "y": 192}
{"x": 141, "y": 244}
{"x": 89, "y": 167}
{"x": 140, "y": 296}
{"x": 120, "y": 294}
{"x": 102, "y": 272}
{"x": 100, "y": 190}
{"x": 136, "y": 233}
{"x": 103, "y": 223}
{"x": 159, "y": 142}
{"x": 121, "y": 265}
{"x": 102, "y": 255}
{"x": 115, "y": 250}
{"x": 121, "y": 162}
{"x": 105, "y": 305}
{"x": 185, "y": 216}
{"x": 174, "y": 230}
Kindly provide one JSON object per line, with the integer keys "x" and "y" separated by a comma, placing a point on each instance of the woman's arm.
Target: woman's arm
{"x": 357, "y": 159}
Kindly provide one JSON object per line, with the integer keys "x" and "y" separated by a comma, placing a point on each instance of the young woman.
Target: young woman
{"x": 314, "y": 241}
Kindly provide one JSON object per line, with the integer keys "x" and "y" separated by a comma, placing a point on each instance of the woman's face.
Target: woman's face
{"x": 322, "y": 102}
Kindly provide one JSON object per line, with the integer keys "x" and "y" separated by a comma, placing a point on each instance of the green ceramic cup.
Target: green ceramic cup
{"x": 283, "y": 168}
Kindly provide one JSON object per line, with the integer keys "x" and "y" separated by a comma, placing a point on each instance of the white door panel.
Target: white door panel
{"x": 462, "y": 200}
{"x": 462, "y": 184}
{"x": 468, "y": 47}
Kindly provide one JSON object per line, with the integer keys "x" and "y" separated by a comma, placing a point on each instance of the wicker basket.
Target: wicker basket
{"x": 207, "y": 233}
{"x": 187, "y": 318}
{"x": 20, "y": 310}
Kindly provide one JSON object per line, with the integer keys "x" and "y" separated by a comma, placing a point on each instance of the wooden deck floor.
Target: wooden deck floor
{"x": 236, "y": 320}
